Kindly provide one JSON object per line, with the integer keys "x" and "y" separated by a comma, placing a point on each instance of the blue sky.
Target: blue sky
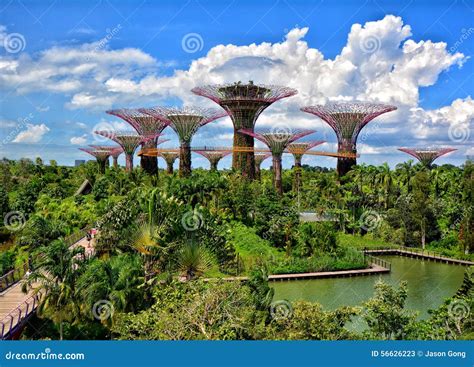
{"x": 76, "y": 59}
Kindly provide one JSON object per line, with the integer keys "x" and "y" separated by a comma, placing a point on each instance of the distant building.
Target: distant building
{"x": 78, "y": 162}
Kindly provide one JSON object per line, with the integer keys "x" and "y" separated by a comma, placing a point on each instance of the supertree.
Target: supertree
{"x": 298, "y": 150}
{"x": 259, "y": 158}
{"x": 427, "y": 155}
{"x": 185, "y": 121}
{"x": 347, "y": 120}
{"x": 115, "y": 151}
{"x": 244, "y": 103}
{"x": 169, "y": 158}
{"x": 145, "y": 125}
{"x": 213, "y": 156}
{"x": 277, "y": 142}
{"x": 102, "y": 157}
{"x": 129, "y": 141}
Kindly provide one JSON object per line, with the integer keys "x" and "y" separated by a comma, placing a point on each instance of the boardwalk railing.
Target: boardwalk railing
{"x": 15, "y": 318}
{"x": 13, "y": 276}
{"x": 378, "y": 261}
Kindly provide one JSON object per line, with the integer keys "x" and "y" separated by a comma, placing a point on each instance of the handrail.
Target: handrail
{"x": 11, "y": 277}
{"x": 15, "y": 317}
{"x": 378, "y": 261}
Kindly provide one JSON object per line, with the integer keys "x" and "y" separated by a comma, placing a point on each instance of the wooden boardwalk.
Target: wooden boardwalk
{"x": 428, "y": 255}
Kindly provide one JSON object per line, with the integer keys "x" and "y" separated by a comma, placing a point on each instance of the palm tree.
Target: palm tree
{"x": 194, "y": 260}
{"x": 55, "y": 279}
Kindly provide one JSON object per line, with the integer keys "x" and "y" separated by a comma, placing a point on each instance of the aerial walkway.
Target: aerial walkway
{"x": 17, "y": 307}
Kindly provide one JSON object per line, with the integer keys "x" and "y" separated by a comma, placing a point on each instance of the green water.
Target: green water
{"x": 429, "y": 283}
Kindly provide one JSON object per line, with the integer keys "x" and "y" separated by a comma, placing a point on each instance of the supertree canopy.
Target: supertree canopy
{"x": 244, "y": 103}
{"x": 115, "y": 151}
{"x": 298, "y": 150}
{"x": 427, "y": 155}
{"x": 144, "y": 125}
{"x": 213, "y": 156}
{"x": 259, "y": 158}
{"x": 185, "y": 121}
{"x": 129, "y": 141}
{"x": 347, "y": 120}
{"x": 169, "y": 158}
{"x": 277, "y": 142}
{"x": 101, "y": 156}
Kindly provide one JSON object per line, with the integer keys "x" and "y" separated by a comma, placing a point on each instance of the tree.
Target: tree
{"x": 421, "y": 204}
{"x": 4, "y": 204}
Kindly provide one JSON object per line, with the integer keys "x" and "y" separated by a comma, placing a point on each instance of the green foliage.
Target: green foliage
{"x": 316, "y": 237}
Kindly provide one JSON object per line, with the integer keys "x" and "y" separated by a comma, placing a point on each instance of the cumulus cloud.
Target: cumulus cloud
{"x": 79, "y": 140}
{"x": 32, "y": 134}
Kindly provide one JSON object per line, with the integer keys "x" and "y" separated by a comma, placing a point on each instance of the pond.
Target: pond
{"x": 429, "y": 283}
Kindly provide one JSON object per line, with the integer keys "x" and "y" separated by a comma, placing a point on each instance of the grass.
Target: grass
{"x": 359, "y": 242}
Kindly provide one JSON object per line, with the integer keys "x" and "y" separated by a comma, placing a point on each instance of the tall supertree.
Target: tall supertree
{"x": 244, "y": 103}
{"x": 115, "y": 151}
{"x": 213, "y": 156}
{"x": 185, "y": 121}
{"x": 347, "y": 120}
{"x": 102, "y": 157}
{"x": 145, "y": 125}
{"x": 277, "y": 142}
{"x": 259, "y": 158}
{"x": 129, "y": 141}
{"x": 169, "y": 158}
{"x": 298, "y": 150}
{"x": 427, "y": 155}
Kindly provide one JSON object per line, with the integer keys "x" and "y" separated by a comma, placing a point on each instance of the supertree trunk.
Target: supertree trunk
{"x": 297, "y": 179}
{"x": 214, "y": 166}
{"x": 258, "y": 174}
{"x": 149, "y": 164}
{"x": 344, "y": 165}
{"x": 102, "y": 165}
{"x": 244, "y": 162}
{"x": 185, "y": 159}
{"x": 277, "y": 174}
{"x": 129, "y": 162}
{"x": 115, "y": 162}
{"x": 169, "y": 168}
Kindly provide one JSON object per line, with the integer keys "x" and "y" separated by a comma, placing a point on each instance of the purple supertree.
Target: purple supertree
{"x": 129, "y": 141}
{"x": 347, "y": 120}
{"x": 115, "y": 151}
{"x": 213, "y": 156}
{"x": 169, "y": 157}
{"x": 244, "y": 103}
{"x": 298, "y": 150}
{"x": 145, "y": 125}
{"x": 427, "y": 155}
{"x": 185, "y": 121}
{"x": 101, "y": 156}
{"x": 259, "y": 158}
{"x": 277, "y": 142}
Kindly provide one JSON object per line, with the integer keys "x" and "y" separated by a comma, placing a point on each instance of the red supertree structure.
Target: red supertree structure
{"x": 169, "y": 157}
{"x": 115, "y": 151}
{"x": 185, "y": 121}
{"x": 244, "y": 103}
{"x": 427, "y": 155}
{"x": 259, "y": 158}
{"x": 277, "y": 142}
{"x": 298, "y": 150}
{"x": 102, "y": 157}
{"x": 347, "y": 120}
{"x": 213, "y": 156}
{"x": 129, "y": 141}
{"x": 145, "y": 125}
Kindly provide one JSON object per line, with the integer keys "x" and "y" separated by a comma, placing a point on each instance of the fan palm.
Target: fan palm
{"x": 194, "y": 260}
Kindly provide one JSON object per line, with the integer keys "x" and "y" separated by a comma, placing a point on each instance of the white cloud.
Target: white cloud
{"x": 79, "y": 140}
{"x": 32, "y": 134}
